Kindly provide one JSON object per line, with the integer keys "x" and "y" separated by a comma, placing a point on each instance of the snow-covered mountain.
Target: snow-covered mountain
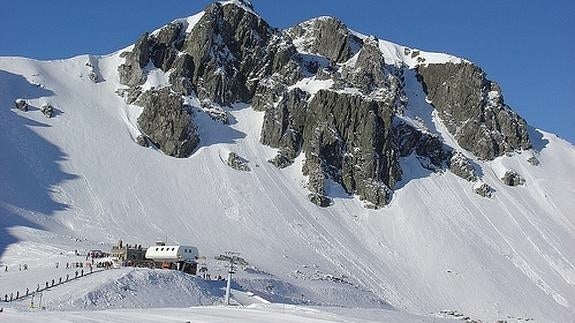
{"x": 347, "y": 170}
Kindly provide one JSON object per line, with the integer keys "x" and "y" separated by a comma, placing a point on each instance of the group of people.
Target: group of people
{"x": 104, "y": 264}
{"x": 73, "y": 265}
{"x": 69, "y": 265}
{"x": 20, "y": 267}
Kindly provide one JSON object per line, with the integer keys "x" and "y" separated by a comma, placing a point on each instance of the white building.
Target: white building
{"x": 172, "y": 253}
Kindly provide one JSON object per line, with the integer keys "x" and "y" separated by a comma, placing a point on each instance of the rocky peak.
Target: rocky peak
{"x": 227, "y": 45}
{"x": 473, "y": 110}
{"x": 326, "y": 36}
{"x": 367, "y": 72}
{"x": 350, "y": 132}
{"x": 244, "y": 4}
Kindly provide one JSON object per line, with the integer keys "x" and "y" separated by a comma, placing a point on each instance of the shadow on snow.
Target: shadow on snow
{"x": 29, "y": 164}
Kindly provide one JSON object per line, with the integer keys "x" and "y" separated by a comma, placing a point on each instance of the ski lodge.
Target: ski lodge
{"x": 127, "y": 254}
{"x": 182, "y": 258}
{"x": 175, "y": 257}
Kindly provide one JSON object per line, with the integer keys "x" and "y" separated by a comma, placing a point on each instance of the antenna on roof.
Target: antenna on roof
{"x": 234, "y": 259}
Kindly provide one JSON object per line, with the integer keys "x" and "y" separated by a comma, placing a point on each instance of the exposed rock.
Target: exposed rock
{"x": 216, "y": 112}
{"x": 326, "y": 36}
{"x": 345, "y": 137}
{"x": 21, "y": 105}
{"x": 167, "y": 122}
{"x": 349, "y": 138}
{"x": 142, "y": 141}
{"x": 238, "y": 163}
{"x": 93, "y": 77}
{"x": 93, "y": 72}
{"x": 227, "y": 45}
{"x": 182, "y": 74}
{"x": 533, "y": 161}
{"x": 284, "y": 123}
{"x": 165, "y": 45}
{"x": 132, "y": 71}
{"x": 410, "y": 140}
{"x": 483, "y": 189}
{"x": 473, "y": 110}
{"x": 48, "y": 110}
{"x": 368, "y": 73}
{"x": 319, "y": 200}
{"x": 512, "y": 178}
{"x": 268, "y": 92}
{"x": 461, "y": 166}
{"x": 348, "y": 133}
{"x": 130, "y": 94}
{"x": 281, "y": 161}
{"x": 313, "y": 168}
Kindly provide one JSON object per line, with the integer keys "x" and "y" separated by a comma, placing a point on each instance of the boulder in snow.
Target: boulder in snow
{"x": 461, "y": 166}
{"x": 238, "y": 163}
{"x": 533, "y": 161}
{"x": 48, "y": 110}
{"x": 21, "y": 105}
{"x": 483, "y": 189}
{"x": 142, "y": 141}
{"x": 512, "y": 178}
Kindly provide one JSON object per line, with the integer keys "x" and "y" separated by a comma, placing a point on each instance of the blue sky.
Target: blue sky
{"x": 526, "y": 46}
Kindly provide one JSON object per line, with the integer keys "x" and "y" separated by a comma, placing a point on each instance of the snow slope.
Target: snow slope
{"x": 251, "y": 314}
{"x": 437, "y": 246}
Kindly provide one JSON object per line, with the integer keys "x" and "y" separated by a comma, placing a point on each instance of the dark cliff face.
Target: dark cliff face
{"x": 349, "y": 138}
{"x": 349, "y": 134}
{"x": 328, "y": 37}
{"x": 473, "y": 110}
{"x": 168, "y": 122}
{"x": 227, "y": 46}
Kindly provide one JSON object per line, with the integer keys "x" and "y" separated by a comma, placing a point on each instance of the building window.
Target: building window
{"x": 162, "y": 249}
{"x": 172, "y": 249}
{"x": 157, "y": 249}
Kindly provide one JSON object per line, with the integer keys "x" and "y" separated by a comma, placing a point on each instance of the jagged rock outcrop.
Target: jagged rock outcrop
{"x": 483, "y": 189}
{"x": 368, "y": 73}
{"x": 238, "y": 163}
{"x": 410, "y": 140}
{"x": 227, "y": 46}
{"x": 533, "y": 161}
{"x": 352, "y": 132}
{"x": 48, "y": 110}
{"x": 284, "y": 125}
{"x": 165, "y": 45}
{"x": 461, "y": 166}
{"x": 21, "y": 105}
{"x": 512, "y": 178}
{"x": 326, "y": 36}
{"x": 346, "y": 138}
{"x": 182, "y": 74}
{"x": 167, "y": 122}
{"x": 349, "y": 138}
{"x": 160, "y": 49}
{"x": 142, "y": 141}
{"x": 93, "y": 69}
{"x": 473, "y": 110}
{"x": 132, "y": 71}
